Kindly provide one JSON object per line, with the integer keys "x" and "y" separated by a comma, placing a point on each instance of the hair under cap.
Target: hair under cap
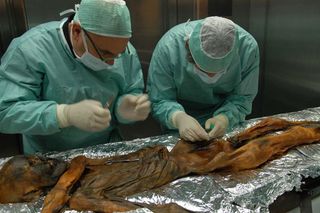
{"x": 213, "y": 42}
{"x": 105, "y": 17}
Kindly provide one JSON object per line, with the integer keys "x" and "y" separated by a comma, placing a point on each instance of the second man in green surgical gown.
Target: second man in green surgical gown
{"x": 203, "y": 77}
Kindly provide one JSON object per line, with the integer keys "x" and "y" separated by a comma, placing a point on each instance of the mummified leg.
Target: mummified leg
{"x": 262, "y": 128}
{"x": 59, "y": 195}
{"x": 260, "y": 150}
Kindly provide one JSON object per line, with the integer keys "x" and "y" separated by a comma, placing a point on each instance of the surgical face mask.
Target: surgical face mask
{"x": 90, "y": 60}
{"x": 207, "y": 79}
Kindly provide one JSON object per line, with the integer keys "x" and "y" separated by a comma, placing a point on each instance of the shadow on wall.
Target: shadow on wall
{"x": 142, "y": 129}
{"x": 10, "y": 145}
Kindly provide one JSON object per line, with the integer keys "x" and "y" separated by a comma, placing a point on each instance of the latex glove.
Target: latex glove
{"x": 218, "y": 125}
{"x": 88, "y": 115}
{"x": 134, "y": 108}
{"x": 189, "y": 128}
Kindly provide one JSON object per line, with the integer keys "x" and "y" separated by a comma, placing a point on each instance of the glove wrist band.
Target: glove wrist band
{"x": 62, "y": 116}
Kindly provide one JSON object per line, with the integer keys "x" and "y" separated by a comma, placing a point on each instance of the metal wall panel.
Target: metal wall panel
{"x": 288, "y": 33}
{"x": 39, "y": 11}
{"x": 12, "y": 21}
{"x": 149, "y": 22}
{"x": 13, "y": 24}
{"x": 292, "y": 56}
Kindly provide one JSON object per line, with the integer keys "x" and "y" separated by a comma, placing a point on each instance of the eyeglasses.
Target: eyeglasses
{"x": 105, "y": 59}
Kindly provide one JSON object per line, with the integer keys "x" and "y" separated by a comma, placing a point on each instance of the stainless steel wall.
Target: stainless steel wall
{"x": 40, "y": 11}
{"x": 12, "y": 24}
{"x": 292, "y": 56}
{"x": 12, "y": 21}
{"x": 288, "y": 34}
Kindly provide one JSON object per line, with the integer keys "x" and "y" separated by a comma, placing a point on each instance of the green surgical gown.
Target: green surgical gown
{"x": 173, "y": 83}
{"x": 39, "y": 71}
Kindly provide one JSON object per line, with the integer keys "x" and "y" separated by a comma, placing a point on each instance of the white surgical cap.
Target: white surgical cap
{"x": 212, "y": 43}
{"x": 105, "y": 17}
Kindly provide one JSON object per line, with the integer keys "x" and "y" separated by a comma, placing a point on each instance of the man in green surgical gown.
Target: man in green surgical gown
{"x": 66, "y": 84}
{"x": 203, "y": 77}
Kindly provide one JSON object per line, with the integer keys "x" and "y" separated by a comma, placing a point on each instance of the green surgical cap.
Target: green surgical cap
{"x": 105, "y": 17}
{"x": 213, "y": 42}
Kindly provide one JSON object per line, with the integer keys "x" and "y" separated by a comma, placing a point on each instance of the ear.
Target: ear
{"x": 76, "y": 31}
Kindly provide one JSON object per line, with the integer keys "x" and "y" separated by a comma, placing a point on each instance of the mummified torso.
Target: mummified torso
{"x": 101, "y": 184}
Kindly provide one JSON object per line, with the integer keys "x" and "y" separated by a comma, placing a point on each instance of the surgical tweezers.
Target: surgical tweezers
{"x": 122, "y": 161}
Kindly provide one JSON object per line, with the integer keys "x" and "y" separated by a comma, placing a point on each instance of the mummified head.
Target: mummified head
{"x": 24, "y": 178}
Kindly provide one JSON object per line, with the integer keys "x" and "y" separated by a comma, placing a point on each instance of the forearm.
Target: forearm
{"x": 29, "y": 117}
{"x": 236, "y": 111}
{"x": 163, "y": 111}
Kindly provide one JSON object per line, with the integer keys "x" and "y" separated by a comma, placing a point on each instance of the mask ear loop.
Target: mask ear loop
{"x": 76, "y": 8}
{"x": 187, "y": 32}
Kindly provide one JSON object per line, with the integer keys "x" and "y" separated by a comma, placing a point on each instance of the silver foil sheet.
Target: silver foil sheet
{"x": 246, "y": 191}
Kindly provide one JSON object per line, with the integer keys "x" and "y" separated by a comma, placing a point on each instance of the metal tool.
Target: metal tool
{"x": 109, "y": 102}
{"x": 122, "y": 161}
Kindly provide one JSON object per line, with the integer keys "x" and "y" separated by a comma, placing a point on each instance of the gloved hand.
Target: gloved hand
{"x": 134, "y": 108}
{"x": 219, "y": 125}
{"x": 189, "y": 128}
{"x": 88, "y": 115}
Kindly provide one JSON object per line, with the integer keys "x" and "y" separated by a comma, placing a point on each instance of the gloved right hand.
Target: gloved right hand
{"x": 189, "y": 128}
{"x": 88, "y": 115}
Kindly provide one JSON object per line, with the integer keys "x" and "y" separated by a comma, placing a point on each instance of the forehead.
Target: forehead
{"x": 109, "y": 43}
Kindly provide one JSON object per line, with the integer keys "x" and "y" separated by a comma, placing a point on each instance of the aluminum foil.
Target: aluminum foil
{"x": 246, "y": 191}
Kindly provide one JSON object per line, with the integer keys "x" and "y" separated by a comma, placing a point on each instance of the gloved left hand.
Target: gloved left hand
{"x": 219, "y": 125}
{"x": 134, "y": 108}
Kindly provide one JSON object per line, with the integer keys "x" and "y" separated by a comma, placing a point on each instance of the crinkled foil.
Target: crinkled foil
{"x": 246, "y": 191}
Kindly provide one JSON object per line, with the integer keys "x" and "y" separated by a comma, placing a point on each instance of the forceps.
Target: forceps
{"x": 109, "y": 102}
{"x": 122, "y": 161}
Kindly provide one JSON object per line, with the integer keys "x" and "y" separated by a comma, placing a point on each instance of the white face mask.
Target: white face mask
{"x": 207, "y": 79}
{"x": 90, "y": 60}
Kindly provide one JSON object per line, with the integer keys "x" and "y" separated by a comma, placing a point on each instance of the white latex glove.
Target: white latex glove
{"x": 218, "y": 125}
{"x": 189, "y": 128}
{"x": 88, "y": 115}
{"x": 134, "y": 108}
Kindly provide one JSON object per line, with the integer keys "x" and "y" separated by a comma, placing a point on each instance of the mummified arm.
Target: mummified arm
{"x": 258, "y": 151}
{"x": 262, "y": 128}
{"x": 59, "y": 195}
{"x": 146, "y": 152}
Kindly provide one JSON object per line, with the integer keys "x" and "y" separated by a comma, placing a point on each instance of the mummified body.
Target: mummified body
{"x": 103, "y": 183}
